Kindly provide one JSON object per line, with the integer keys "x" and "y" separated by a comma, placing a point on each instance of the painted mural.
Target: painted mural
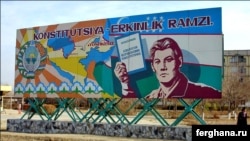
{"x": 162, "y": 55}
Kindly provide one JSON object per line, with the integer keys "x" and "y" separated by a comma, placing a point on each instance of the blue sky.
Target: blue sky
{"x": 23, "y": 14}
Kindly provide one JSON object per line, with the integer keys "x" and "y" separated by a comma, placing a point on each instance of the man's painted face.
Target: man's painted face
{"x": 164, "y": 65}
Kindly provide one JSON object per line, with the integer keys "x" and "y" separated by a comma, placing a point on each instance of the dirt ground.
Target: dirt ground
{"x": 12, "y": 114}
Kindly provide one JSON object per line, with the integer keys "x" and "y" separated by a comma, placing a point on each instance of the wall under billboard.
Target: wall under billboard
{"x": 162, "y": 55}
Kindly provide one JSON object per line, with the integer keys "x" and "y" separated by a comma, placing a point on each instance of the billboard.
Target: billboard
{"x": 162, "y": 55}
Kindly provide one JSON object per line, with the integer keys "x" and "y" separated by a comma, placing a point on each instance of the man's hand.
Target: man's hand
{"x": 121, "y": 72}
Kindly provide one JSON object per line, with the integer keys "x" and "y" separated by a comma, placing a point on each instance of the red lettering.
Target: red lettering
{"x": 172, "y": 23}
{"x": 181, "y": 23}
{"x": 157, "y": 25}
{"x": 129, "y": 27}
{"x": 121, "y": 28}
{"x": 114, "y": 28}
{"x": 203, "y": 21}
{"x": 190, "y": 22}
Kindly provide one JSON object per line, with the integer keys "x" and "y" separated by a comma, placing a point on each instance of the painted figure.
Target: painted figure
{"x": 166, "y": 60}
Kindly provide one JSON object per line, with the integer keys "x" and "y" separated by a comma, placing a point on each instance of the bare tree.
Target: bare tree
{"x": 235, "y": 90}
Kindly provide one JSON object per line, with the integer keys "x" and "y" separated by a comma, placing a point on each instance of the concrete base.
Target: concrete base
{"x": 115, "y": 130}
